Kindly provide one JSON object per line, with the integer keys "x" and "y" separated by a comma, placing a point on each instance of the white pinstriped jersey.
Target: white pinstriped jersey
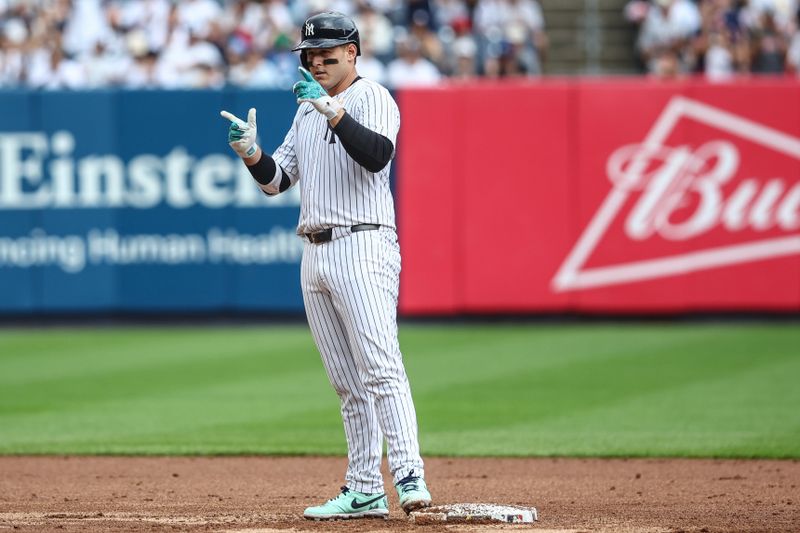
{"x": 334, "y": 189}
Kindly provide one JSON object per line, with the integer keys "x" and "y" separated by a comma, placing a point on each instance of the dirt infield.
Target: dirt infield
{"x": 266, "y": 494}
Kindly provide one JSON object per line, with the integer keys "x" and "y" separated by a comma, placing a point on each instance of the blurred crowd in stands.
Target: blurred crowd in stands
{"x": 718, "y": 39}
{"x": 83, "y": 44}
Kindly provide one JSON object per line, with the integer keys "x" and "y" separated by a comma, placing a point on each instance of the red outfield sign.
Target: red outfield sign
{"x": 608, "y": 197}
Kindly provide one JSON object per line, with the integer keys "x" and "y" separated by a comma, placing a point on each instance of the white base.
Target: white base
{"x": 468, "y": 512}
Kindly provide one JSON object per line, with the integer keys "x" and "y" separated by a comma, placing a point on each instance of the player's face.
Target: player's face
{"x": 330, "y": 66}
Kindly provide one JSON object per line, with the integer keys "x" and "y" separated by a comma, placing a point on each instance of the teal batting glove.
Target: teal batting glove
{"x": 235, "y": 133}
{"x": 241, "y": 134}
{"x": 309, "y": 90}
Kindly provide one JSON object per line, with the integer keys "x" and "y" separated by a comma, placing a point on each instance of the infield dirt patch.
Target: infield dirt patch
{"x": 249, "y": 494}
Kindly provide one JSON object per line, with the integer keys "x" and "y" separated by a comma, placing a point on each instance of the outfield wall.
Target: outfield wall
{"x": 133, "y": 202}
{"x": 601, "y": 196}
{"x": 552, "y": 196}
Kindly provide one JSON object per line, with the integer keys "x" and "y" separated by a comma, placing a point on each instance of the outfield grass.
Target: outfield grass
{"x": 725, "y": 390}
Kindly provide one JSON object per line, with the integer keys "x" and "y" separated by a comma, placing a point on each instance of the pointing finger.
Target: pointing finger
{"x": 251, "y": 116}
{"x": 231, "y": 117}
{"x": 306, "y": 74}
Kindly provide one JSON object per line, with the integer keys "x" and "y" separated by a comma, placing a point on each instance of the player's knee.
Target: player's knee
{"x": 383, "y": 385}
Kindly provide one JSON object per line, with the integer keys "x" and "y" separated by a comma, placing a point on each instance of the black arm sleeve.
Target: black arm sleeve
{"x": 371, "y": 150}
{"x": 263, "y": 171}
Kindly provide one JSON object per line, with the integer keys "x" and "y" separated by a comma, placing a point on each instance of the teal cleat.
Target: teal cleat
{"x": 413, "y": 493}
{"x": 350, "y": 504}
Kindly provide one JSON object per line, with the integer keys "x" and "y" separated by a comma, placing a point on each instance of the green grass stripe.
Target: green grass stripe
{"x": 700, "y": 390}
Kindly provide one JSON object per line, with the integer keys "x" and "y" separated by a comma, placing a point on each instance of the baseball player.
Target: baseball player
{"x": 339, "y": 150}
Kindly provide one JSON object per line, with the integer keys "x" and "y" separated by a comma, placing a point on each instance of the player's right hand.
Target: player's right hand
{"x": 241, "y": 134}
{"x": 309, "y": 90}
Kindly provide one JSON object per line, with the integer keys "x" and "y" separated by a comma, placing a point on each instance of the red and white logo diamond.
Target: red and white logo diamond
{"x": 701, "y": 205}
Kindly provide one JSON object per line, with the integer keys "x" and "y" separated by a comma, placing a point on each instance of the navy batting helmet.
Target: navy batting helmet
{"x": 327, "y": 30}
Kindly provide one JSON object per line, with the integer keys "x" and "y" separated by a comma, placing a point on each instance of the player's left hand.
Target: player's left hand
{"x": 309, "y": 90}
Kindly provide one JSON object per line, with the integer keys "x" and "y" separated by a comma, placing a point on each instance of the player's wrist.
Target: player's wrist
{"x": 330, "y": 107}
{"x": 251, "y": 155}
{"x": 244, "y": 151}
{"x": 336, "y": 118}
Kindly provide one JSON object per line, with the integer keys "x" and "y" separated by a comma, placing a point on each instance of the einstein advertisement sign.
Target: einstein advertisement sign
{"x": 126, "y": 201}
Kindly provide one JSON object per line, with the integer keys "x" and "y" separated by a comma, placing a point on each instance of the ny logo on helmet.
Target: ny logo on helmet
{"x": 309, "y": 28}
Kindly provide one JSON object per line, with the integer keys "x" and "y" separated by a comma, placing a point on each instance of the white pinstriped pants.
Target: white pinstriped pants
{"x": 350, "y": 287}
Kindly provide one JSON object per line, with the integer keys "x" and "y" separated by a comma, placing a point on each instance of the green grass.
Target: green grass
{"x": 723, "y": 390}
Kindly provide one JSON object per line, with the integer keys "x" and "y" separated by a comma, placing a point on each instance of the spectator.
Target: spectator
{"x": 143, "y": 73}
{"x": 375, "y": 29}
{"x": 769, "y": 46}
{"x": 665, "y": 34}
{"x": 55, "y": 70}
{"x": 370, "y": 66}
{"x": 302, "y": 8}
{"x": 263, "y": 22}
{"x": 512, "y": 38}
{"x": 410, "y": 69}
{"x": 151, "y": 17}
{"x": 419, "y": 11}
{"x": 464, "y": 51}
{"x": 201, "y": 63}
{"x": 529, "y": 22}
{"x": 782, "y": 12}
{"x": 666, "y": 65}
{"x": 103, "y": 67}
{"x": 636, "y": 11}
{"x": 430, "y": 46}
{"x": 196, "y": 16}
{"x": 285, "y": 60}
{"x": 255, "y": 72}
{"x": 719, "y": 57}
{"x": 452, "y": 13}
{"x": 713, "y": 49}
{"x": 793, "y": 54}
{"x": 12, "y": 57}
{"x": 86, "y": 25}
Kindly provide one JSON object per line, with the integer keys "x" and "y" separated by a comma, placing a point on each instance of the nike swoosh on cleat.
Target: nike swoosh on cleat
{"x": 355, "y": 505}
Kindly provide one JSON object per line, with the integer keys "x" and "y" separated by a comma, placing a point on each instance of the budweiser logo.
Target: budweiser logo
{"x": 681, "y": 193}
